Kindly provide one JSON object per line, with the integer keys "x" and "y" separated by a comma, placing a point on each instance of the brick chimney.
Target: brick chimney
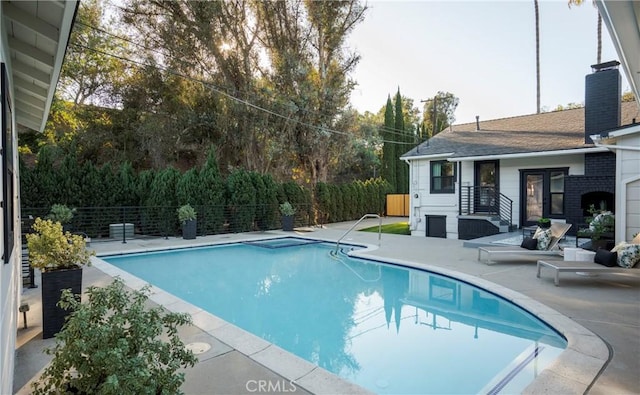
{"x": 602, "y": 99}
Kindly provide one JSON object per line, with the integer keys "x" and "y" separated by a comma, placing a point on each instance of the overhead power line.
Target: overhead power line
{"x": 154, "y": 50}
{"x": 220, "y": 91}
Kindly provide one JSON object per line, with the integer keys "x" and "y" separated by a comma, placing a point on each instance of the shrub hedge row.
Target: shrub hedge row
{"x": 244, "y": 200}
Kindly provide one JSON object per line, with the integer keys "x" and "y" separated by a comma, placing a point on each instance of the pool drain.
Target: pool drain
{"x": 198, "y": 347}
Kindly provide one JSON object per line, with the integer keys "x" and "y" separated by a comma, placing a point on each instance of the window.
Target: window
{"x": 556, "y": 190}
{"x": 443, "y": 176}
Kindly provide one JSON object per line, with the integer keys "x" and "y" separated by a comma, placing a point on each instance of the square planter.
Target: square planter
{"x": 287, "y": 223}
{"x": 53, "y": 283}
{"x": 189, "y": 229}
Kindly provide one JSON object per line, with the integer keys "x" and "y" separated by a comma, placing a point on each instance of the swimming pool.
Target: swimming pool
{"x": 390, "y": 329}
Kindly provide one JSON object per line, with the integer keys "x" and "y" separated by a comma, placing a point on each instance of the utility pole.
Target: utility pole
{"x": 434, "y": 116}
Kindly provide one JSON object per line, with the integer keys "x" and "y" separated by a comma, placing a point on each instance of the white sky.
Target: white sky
{"x": 481, "y": 51}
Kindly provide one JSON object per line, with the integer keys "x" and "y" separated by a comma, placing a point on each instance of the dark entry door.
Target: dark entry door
{"x": 486, "y": 182}
{"x": 542, "y": 194}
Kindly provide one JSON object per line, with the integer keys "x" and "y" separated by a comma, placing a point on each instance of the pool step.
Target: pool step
{"x": 502, "y": 380}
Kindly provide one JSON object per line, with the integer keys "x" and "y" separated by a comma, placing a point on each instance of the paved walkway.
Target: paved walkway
{"x": 600, "y": 314}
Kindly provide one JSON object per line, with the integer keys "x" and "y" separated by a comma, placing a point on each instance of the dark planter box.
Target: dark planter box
{"x": 606, "y": 241}
{"x": 287, "y": 223}
{"x": 189, "y": 229}
{"x": 52, "y": 285}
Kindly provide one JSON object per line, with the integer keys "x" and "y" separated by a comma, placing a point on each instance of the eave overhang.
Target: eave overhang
{"x": 622, "y": 19}
{"x": 37, "y": 35}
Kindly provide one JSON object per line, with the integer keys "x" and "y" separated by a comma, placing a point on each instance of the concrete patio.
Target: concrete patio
{"x": 599, "y": 315}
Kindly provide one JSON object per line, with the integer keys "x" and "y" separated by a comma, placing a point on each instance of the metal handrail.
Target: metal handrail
{"x": 506, "y": 209}
{"x": 356, "y": 224}
{"x": 467, "y": 201}
{"x": 337, "y": 258}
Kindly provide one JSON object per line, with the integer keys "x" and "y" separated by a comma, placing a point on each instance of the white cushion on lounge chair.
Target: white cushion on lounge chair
{"x": 628, "y": 255}
{"x": 544, "y": 239}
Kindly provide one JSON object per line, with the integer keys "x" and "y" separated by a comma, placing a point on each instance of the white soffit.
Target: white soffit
{"x": 37, "y": 34}
{"x": 622, "y": 18}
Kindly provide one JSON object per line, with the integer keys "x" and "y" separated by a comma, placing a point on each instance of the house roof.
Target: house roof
{"x": 37, "y": 35}
{"x": 549, "y": 131}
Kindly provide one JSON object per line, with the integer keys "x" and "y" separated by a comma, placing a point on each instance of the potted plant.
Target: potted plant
{"x": 601, "y": 228}
{"x": 60, "y": 257}
{"x": 113, "y": 343}
{"x": 287, "y": 211}
{"x": 63, "y": 214}
{"x": 544, "y": 223}
{"x": 187, "y": 217}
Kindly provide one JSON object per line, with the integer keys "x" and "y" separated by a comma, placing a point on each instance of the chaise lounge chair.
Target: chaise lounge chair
{"x": 580, "y": 266}
{"x": 558, "y": 231}
{"x": 622, "y": 259}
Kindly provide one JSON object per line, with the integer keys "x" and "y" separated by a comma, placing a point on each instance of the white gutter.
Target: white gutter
{"x": 597, "y": 138}
{"x": 618, "y": 147}
{"x": 432, "y": 156}
{"x": 633, "y": 129}
{"x": 531, "y": 154}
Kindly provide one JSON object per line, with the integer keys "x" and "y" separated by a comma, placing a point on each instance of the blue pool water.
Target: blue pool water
{"x": 388, "y": 328}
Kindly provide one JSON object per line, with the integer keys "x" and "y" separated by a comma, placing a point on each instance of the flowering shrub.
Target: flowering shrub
{"x": 51, "y": 249}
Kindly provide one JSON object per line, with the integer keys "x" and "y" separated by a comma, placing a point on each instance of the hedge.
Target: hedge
{"x": 244, "y": 200}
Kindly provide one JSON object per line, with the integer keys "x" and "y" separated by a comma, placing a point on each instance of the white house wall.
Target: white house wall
{"x": 429, "y": 204}
{"x": 631, "y": 218}
{"x": 447, "y": 204}
{"x": 627, "y": 188}
{"x": 10, "y": 273}
{"x": 510, "y": 174}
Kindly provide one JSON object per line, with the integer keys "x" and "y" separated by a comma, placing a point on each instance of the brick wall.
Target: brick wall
{"x": 602, "y": 106}
{"x": 600, "y": 170}
{"x": 600, "y": 164}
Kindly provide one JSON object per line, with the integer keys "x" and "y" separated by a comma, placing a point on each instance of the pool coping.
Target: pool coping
{"x": 573, "y": 371}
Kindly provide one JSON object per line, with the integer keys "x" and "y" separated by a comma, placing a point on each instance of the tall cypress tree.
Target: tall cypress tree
{"x": 188, "y": 188}
{"x": 162, "y": 203}
{"x": 389, "y": 149}
{"x": 262, "y": 209}
{"x": 242, "y": 200}
{"x": 212, "y": 203}
{"x": 271, "y": 201}
{"x": 402, "y": 170}
{"x": 128, "y": 181}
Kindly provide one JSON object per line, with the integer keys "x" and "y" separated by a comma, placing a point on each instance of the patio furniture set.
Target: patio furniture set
{"x": 622, "y": 259}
